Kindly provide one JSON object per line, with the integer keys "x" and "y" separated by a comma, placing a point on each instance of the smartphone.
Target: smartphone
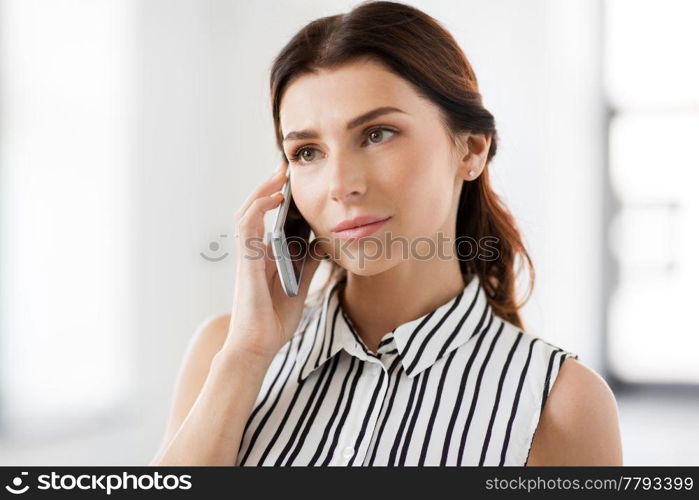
{"x": 291, "y": 237}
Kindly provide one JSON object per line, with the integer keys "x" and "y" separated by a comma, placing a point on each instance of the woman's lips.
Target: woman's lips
{"x": 360, "y": 231}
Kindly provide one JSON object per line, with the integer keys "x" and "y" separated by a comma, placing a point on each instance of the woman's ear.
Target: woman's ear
{"x": 473, "y": 152}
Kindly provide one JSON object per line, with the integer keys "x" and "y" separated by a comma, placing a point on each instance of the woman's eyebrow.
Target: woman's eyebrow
{"x": 355, "y": 122}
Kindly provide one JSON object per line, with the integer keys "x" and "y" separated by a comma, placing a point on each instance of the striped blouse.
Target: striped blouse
{"x": 457, "y": 386}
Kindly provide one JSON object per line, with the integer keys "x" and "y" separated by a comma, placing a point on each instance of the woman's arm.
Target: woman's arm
{"x": 226, "y": 363}
{"x": 580, "y": 423}
{"x": 214, "y": 396}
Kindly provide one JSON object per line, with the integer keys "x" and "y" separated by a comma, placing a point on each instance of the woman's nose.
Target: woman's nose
{"x": 347, "y": 180}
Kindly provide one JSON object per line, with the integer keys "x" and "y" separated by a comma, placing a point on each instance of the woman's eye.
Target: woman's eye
{"x": 376, "y": 135}
{"x": 305, "y": 154}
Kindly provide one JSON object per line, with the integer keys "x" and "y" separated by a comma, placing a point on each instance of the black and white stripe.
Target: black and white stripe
{"x": 457, "y": 386}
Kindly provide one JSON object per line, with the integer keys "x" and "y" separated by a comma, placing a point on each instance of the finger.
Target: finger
{"x": 273, "y": 183}
{"x": 268, "y": 187}
{"x": 251, "y": 224}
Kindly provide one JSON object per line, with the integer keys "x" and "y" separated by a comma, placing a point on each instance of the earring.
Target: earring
{"x": 471, "y": 173}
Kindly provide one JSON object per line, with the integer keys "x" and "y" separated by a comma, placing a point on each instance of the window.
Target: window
{"x": 652, "y": 86}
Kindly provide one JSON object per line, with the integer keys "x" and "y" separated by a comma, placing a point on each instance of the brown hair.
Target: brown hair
{"x": 416, "y": 47}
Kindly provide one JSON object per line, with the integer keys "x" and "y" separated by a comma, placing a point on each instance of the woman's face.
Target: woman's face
{"x": 399, "y": 164}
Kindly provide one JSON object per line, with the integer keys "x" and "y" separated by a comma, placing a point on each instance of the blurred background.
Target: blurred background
{"x": 131, "y": 131}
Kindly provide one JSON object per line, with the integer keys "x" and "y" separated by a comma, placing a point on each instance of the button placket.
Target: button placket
{"x": 376, "y": 370}
{"x": 373, "y": 371}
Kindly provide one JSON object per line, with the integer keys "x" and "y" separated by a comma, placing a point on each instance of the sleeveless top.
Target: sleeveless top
{"x": 457, "y": 386}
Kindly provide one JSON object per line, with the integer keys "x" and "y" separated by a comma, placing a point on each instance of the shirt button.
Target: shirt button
{"x": 348, "y": 452}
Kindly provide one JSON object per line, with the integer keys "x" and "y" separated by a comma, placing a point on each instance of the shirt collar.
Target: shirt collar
{"x": 419, "y": 342}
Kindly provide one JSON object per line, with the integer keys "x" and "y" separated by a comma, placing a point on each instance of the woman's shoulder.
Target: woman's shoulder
{"x": 211, "y": 332}
{"x": 579, "y": 424}
{"x": 578, "y": 417}
{"x": 539, "y": 352}
{"x": 566, "y": 376}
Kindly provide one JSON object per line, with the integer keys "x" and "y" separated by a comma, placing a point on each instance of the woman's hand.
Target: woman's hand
{"x": 263, "y": 317}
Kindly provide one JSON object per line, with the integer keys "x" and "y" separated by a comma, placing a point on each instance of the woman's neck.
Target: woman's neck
{"x": 379, "y": 303}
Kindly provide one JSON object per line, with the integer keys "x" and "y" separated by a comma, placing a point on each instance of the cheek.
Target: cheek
{"x": 424, "y": 204}
{"x": 423, "y": 191}
{"x": 308, "y": 200}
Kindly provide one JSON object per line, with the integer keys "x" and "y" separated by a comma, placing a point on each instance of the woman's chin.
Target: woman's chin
{"x": 365, "y": 267}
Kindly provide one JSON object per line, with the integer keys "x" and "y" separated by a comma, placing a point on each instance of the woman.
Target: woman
{"x": 405, "y": 357}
